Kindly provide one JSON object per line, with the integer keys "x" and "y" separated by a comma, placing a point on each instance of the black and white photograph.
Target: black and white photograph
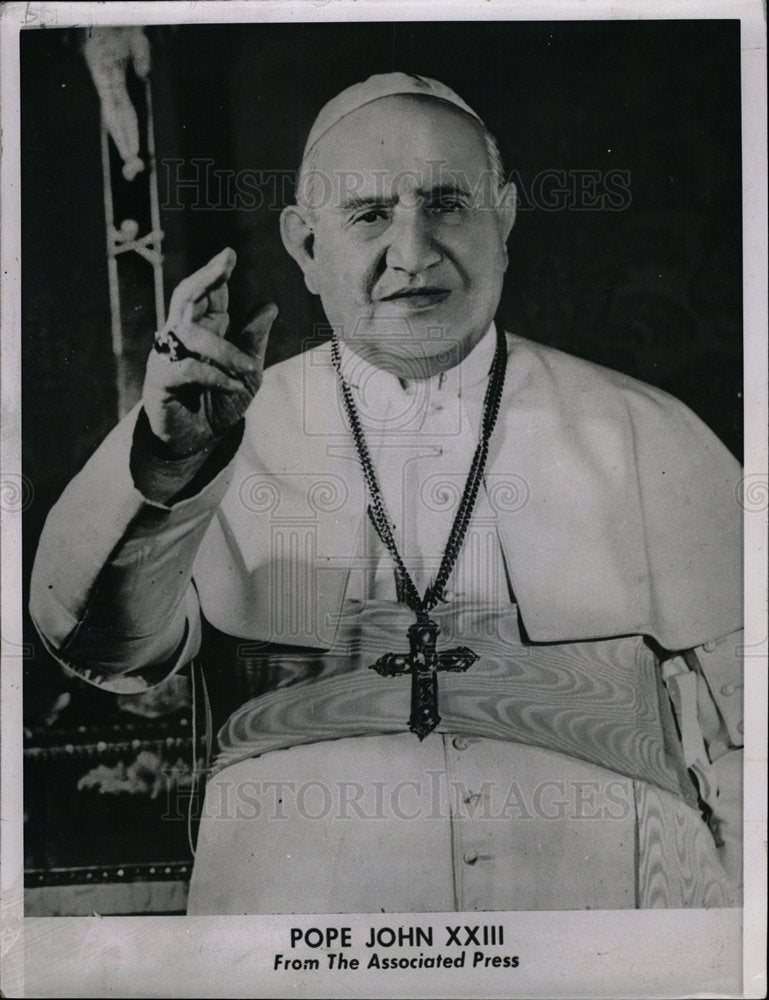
{"x": 383, "y": 483}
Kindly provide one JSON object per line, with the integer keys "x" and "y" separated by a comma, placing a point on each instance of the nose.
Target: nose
{"x": 412, "y": 246}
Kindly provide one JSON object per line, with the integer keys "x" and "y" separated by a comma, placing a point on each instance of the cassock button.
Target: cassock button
{"x": 470, "y": 857}
{"x": 460, "y": 743}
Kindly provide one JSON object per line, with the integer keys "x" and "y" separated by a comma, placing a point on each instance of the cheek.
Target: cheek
{"x": 343, "y": 271}
{"x": 345, "y": 296}
{"x": 485, "y": 264}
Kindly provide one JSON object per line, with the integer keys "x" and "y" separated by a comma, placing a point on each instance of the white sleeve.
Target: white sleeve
{"x": 720, "y": 689}
{"x": 112, "y": 592}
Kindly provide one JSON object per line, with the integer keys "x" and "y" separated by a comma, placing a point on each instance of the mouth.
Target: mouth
{"x": 414, "y": 299}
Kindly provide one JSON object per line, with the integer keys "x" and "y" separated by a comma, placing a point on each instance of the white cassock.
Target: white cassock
{"x": 559, "y": 775}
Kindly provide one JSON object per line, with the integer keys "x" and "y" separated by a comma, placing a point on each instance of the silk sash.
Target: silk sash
{"x": 598, "y": 701}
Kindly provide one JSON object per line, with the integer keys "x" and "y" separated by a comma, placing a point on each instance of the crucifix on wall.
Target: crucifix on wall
{"x": 111, "y": 53}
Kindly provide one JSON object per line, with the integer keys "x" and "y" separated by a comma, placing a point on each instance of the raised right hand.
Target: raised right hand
{"x": 191, "y": 403}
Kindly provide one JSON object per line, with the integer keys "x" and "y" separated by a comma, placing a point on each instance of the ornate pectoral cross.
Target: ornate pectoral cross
{"x": 423, "y": 663}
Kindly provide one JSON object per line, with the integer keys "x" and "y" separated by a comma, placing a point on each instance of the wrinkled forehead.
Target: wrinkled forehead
{"x": 395, "y": 146}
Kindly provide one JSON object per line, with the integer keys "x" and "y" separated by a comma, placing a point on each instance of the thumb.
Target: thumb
{"x": 254, "y": 335}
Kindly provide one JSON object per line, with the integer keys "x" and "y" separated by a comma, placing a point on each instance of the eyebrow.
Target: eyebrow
{"x": 354, "y": 204}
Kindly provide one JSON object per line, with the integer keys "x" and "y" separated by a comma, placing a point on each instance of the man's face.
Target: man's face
{"x": 407, "y": 248}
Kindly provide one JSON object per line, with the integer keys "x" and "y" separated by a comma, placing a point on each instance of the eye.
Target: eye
{"x": 370, "y": 216}
{"x": 446, "y": 206}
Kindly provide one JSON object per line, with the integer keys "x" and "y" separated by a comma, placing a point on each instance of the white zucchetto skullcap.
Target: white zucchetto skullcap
{"x": 381, "y": 85}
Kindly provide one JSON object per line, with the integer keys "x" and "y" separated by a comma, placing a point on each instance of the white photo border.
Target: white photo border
{"x": 563, "y": 954}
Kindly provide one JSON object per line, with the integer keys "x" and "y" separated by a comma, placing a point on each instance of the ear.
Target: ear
{"x": 507, "y": 200}
{"x": 298, "y": 237}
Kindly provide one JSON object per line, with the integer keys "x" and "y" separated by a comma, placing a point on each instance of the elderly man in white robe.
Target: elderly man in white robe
{"x": 539, "y": 558}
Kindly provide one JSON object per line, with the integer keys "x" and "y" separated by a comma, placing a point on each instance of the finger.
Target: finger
{"x": 197, "y": 374}
{"x": 209, "y": 277}
{"x": 254, "y": 335}
{"x": 215, "y": 323}
{"x": 219, "y": 298}
{"x": 214, "y": 349}
{"x": 213, "y": 302}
